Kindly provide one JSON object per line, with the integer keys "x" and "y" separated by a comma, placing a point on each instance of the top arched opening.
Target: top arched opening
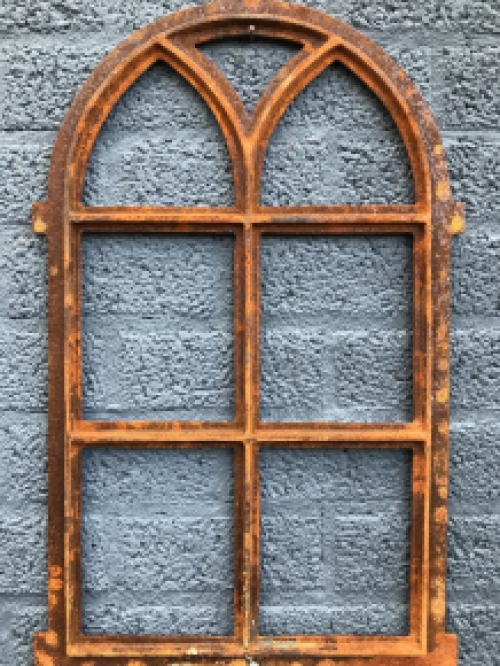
{"x": 320, "y": 41}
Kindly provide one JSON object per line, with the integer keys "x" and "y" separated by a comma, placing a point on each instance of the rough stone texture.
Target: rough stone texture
{"x": 25, "y": 159}
{"x": 327, "y": 144}
{"x": 158, "y": 326}
{"x": 23, "y": 261}
{"x": 467, "y": 89}
{"x": 60, "y": 16}
{"x": 249, "y": 64}
{"x": 335, "y": 533}
{"x": 23, "y": 560}
{"x": 158, "y": 535}
{"x": 23, "y": 364}
{"x": 352, "y": 358}
{"x": 475, "y": 363}
{"x": 475, "y": 171}
{"x": 20, "y": 617}
{"x": 449, "y": 16}
{"x": 450, "y": 48}
{"x": 145, "y": 158}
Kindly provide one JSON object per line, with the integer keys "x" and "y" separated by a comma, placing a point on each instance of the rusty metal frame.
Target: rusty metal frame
{"x": 431, "y": 220}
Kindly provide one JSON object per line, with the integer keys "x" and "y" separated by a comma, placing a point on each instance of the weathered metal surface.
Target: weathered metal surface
{"x": 431, "y": 221}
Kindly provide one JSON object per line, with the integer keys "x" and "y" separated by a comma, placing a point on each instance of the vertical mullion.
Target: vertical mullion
{"x": 251, "y": 536}
{"x": 239, "y": 541}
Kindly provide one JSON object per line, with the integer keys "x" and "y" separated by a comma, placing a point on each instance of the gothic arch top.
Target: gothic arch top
{"x": 430, "y": 221}
{"x": 324, "y": 40}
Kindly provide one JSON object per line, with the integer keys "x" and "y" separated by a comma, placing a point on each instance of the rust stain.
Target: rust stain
{"x": 44, "y": 659}
{"x": 440, "y": 514}
{"x": 457, "y": 225}
{"x": 443, "y": 190}
{"x": 443, "y": 395}
{"x": 63, "y": 219}
{"x": 39, "y": 226}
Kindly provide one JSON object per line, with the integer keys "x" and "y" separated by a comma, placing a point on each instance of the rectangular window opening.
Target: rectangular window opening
{"x": 336, "y": 328}
{"x": 335, "y": 542}
{"x": 157, "y": 542}
{"x": 158, "y": 327}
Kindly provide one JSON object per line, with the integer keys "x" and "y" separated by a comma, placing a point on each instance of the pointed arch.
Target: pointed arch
{"x": 173, "y": 39}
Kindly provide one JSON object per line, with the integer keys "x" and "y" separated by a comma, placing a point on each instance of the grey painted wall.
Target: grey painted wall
{"x": 342, "y": 516}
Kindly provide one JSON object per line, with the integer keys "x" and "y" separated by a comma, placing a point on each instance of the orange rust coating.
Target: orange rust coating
{"x": 431, "y": 221}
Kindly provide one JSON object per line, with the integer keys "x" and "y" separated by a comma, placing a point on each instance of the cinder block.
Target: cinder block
{"x": 169, "y": 614}
{"x": 448, "y": 16}
{"x": 23, "y": 364}
{"x": 308, "y": 160}
{"x": 158, "y": 168}
{"x": 42, "y": 75}
{"x": 475, "y": 171}
{"x": 154, "y": 552}
{"x": 475, "y": 368}
{"x": 23, "y": 470}
{"x": 134, "y": 369}
{"x": 334, "y": 477}
{"x": 292, "y": 557}
{"x": 411, "y": 54}
{"x": 474, "y": 479}
{"x": 249, "y": 65}
{"x": 176, "y": 276}
{"x": 158, "y": 541}
{"x": 23, "y": 557}
{"x": 181, "y": 482}
{"x": 347, "y": 377}
{"x": 473, "y": 544}
{"x": 373, "y": 376}
{"x": 344, "y": 618}
{"x": 374, "y": 169}
{"x": 370, "y": 548}
{"x": 474, "y": 276}
{"x": 465, "y": 84}
{"x": 25, "y": 156}
{"x": 19, "y": 620}
{"x": 161, "y": 145}
{"x": 51, "y": 16}
{"x": 478, "y": 629}
{"x": 345, "y": 517}
{"x": 23, "y": 271}
{"x": 341, "y": 281}
{"x": 158, "y": 301}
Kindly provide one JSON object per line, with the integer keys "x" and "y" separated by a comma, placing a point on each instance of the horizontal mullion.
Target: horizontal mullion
{"x": 213, "y": 647}
{"x": 313, "y": 436}
{"x": 341, "y": 215}
{"x": 156, "y": 215}
{"x": 379, "y": 214}
{"x": 337, "y": 646}
{"x": 156, "y": 646}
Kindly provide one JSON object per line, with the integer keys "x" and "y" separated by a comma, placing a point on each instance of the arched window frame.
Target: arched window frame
{"x": 431, "y": 221}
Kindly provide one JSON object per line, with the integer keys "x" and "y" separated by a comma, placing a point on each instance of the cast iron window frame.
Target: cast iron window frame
{"x": 431, "y": 221}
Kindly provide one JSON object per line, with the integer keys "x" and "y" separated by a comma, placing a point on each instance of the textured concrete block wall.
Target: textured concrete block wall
{"x": 325, "y": 508}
